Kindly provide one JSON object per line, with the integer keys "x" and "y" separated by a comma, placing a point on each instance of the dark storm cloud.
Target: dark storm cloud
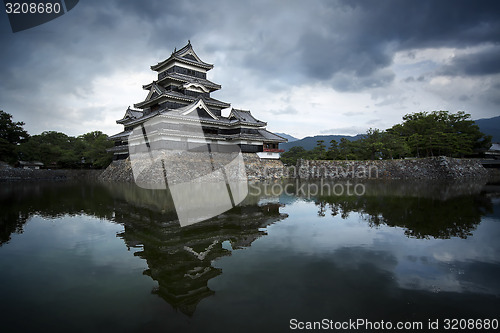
{"x": 362, "y": 36}
{"x": 98, "y": 34}
{"x": 296, "y": 40}
{"x": 483, "y": 62}
{"x": 349, "y": 45}
{"x": 350, "y": 81}
{"x": 428, "y": 23}
{"x": 42, "y": 67}
{"x": 358, "y": 39}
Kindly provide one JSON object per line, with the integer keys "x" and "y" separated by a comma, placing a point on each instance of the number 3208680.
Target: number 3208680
{"x": 32, "y": 8}
{"x": 462, "y": 324}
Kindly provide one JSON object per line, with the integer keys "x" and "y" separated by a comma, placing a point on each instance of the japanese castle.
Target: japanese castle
{"x": 180, "y": 97}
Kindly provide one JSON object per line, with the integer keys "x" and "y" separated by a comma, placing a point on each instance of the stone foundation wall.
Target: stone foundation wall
{"x": 255, "y": 168}
{"x": 261, "y": 169}
{"x": 118, "y": 171}
{"x": 426, "y": 168}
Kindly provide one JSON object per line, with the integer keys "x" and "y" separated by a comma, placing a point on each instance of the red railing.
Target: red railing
{"x": 273, "y": 150}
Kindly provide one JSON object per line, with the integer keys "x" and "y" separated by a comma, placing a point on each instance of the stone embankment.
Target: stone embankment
{"x": 118, "y": 171}
{"x": 424, "y": 168}
{"x": 190, "y": 167}
{"x": 261, "y": 169}
{"x": 439, "y": 168}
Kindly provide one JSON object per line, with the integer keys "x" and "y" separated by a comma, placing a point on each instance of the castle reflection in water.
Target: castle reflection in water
{"x": 181, "y": 259}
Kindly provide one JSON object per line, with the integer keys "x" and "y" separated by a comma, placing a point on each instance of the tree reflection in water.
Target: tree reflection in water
{"x": 424, "y": 209}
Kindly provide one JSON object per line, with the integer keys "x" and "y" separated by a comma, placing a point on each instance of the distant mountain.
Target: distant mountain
{"x": 310, "y": 142}
{"x": 287, "y": 136}
{"x": 490, "y": 126}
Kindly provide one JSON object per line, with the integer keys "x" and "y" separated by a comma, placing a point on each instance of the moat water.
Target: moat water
{"x": 112, "y": 258}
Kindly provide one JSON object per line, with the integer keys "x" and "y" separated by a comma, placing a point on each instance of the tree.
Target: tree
{"x": 371, "y": 144}
{"x": 295, "y": 153}
{"x": 333, "y": 150}
{"x": 394, "y": 146}
{"x": 94, "y": 146}
{"x": 52, "y": 148}
{"x": 441, "y": 133}
{"x": 319, "y": 152}
{"x": 347, "y": 150}
{"x": 421, "y": 134}
{"x": 11, "y": 134}
{"x": 56, "y": 149}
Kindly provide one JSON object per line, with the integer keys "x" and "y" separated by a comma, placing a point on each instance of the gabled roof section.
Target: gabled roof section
{"x": 495, "y": 147}
{"x": 187, "y": 52}
{"x": 186, "y": 55}
{"x": 215, "y": 102}
{"x": 193, "y": 107}
{"x": 195, "y": 86}
{"x": 154, "y": 91}
{"x": 120, "y": 135}
{"x": 130, "y": 114}
{"x": 245, "y": 116}
{"x": 269, "y": 136}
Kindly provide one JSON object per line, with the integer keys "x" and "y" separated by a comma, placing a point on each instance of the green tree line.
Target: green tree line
{"x": 53, "y": 149}
{"x": 421, "y": 134}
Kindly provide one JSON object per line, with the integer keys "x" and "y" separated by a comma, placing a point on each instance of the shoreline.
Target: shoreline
{"x": 11, "y": 174}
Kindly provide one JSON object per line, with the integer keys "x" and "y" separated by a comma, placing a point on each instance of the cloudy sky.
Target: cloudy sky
{"x": 304, "y": 67}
